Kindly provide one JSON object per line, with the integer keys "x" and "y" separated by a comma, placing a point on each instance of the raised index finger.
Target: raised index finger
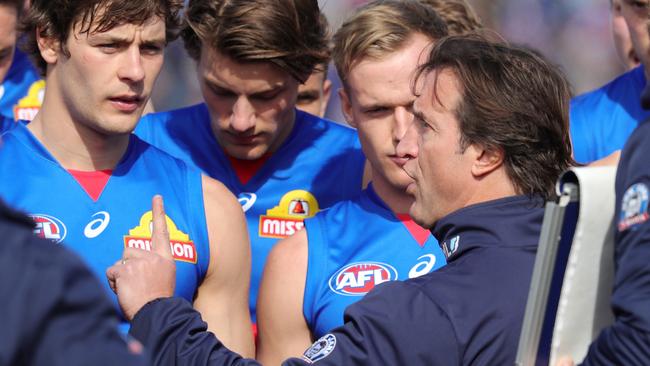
{"x": 159, "y": 234}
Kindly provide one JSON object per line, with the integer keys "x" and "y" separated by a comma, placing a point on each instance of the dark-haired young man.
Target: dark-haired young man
{"x": 87, "y": 181}
{"x": 283, "y": 164}
{"x": 20, "y": 84}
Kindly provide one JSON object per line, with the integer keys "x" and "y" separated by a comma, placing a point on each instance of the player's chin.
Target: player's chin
{"x": 247, "y": 152}
{"x": 116, "y": 125}
{"x": 399, "y": 179}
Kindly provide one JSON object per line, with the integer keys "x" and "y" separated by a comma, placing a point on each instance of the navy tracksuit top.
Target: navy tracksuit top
{"x": 469, "y": 312}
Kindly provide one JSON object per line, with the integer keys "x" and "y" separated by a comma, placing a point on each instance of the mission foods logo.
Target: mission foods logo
{"x": 286, "y": 218}
{"x": 182, "y": 247}
{"x": 27, "y": 107}
{"x": 358, "y": 279}
{"x": 49, "y": 227}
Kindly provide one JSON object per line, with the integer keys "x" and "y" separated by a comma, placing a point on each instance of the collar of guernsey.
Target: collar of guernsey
{"x": 512, "y": 221}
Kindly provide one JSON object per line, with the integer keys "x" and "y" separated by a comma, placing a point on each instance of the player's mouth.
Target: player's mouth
{"x": 398, "y": 160}
{"x": 127, "y": 103}
{"x": 244, "y": 140}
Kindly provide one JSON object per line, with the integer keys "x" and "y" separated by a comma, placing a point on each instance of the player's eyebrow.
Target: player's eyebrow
{"x": 219, "y": 87}
{"x": 113, "y": 38}
{"x": 159, "y": 42}
{"x": 214, "y": 84}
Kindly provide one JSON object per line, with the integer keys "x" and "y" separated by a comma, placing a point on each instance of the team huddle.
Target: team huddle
{"x": 407, "y": 237}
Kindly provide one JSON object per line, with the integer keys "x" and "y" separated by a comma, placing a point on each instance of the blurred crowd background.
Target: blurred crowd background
{"x": 572, "y": 33}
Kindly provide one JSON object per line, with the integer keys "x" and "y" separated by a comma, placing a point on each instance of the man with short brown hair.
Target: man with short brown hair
{"x": 283, "y": 164}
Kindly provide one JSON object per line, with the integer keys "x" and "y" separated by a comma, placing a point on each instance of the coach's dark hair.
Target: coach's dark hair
{"x": 288, "y": 33}
{"x": 512, "y": 100}
{"x": 58, "y": 18}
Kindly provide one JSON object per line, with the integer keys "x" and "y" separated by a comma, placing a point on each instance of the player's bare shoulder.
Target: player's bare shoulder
{"x": 215, "y": 193}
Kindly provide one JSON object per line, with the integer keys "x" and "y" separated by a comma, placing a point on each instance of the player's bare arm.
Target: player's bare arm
{"x": 283, "y": 331}
{"x": 222, "y": 298}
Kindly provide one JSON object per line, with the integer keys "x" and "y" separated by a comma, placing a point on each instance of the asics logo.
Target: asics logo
{"x": 247, "y": 200}
{"x": 98, "y": 225}
{"x": 424, "y": 266}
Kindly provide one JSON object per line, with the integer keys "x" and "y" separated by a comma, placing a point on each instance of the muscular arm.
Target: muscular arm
{"x": 283, "y": 331}
{"x": 222, "y": 297}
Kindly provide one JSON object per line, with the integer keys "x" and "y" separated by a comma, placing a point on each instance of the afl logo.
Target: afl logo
{"x": 49, "y": 227}
{"x": 357, "y": 279}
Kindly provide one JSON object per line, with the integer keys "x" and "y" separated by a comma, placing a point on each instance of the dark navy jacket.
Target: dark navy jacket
{"x": 467, "y": 313}
{"x": 627, "y": 341}
{"x": 52, "y": 309}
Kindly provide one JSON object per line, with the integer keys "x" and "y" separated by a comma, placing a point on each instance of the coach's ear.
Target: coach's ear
{"x": 48, "y": 46}
{"x": 484, "y": 160}
{"x": 346, "y": 107}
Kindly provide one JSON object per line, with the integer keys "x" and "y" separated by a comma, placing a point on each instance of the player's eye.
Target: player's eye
{"x": 152, "y": 49}
{"x": 108, "y": 47}
{"x": 306, "y": 98}
{"x": 376, "y": 110}
{"x": 265, "y": 97}
{"x": 223, "y": 93}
